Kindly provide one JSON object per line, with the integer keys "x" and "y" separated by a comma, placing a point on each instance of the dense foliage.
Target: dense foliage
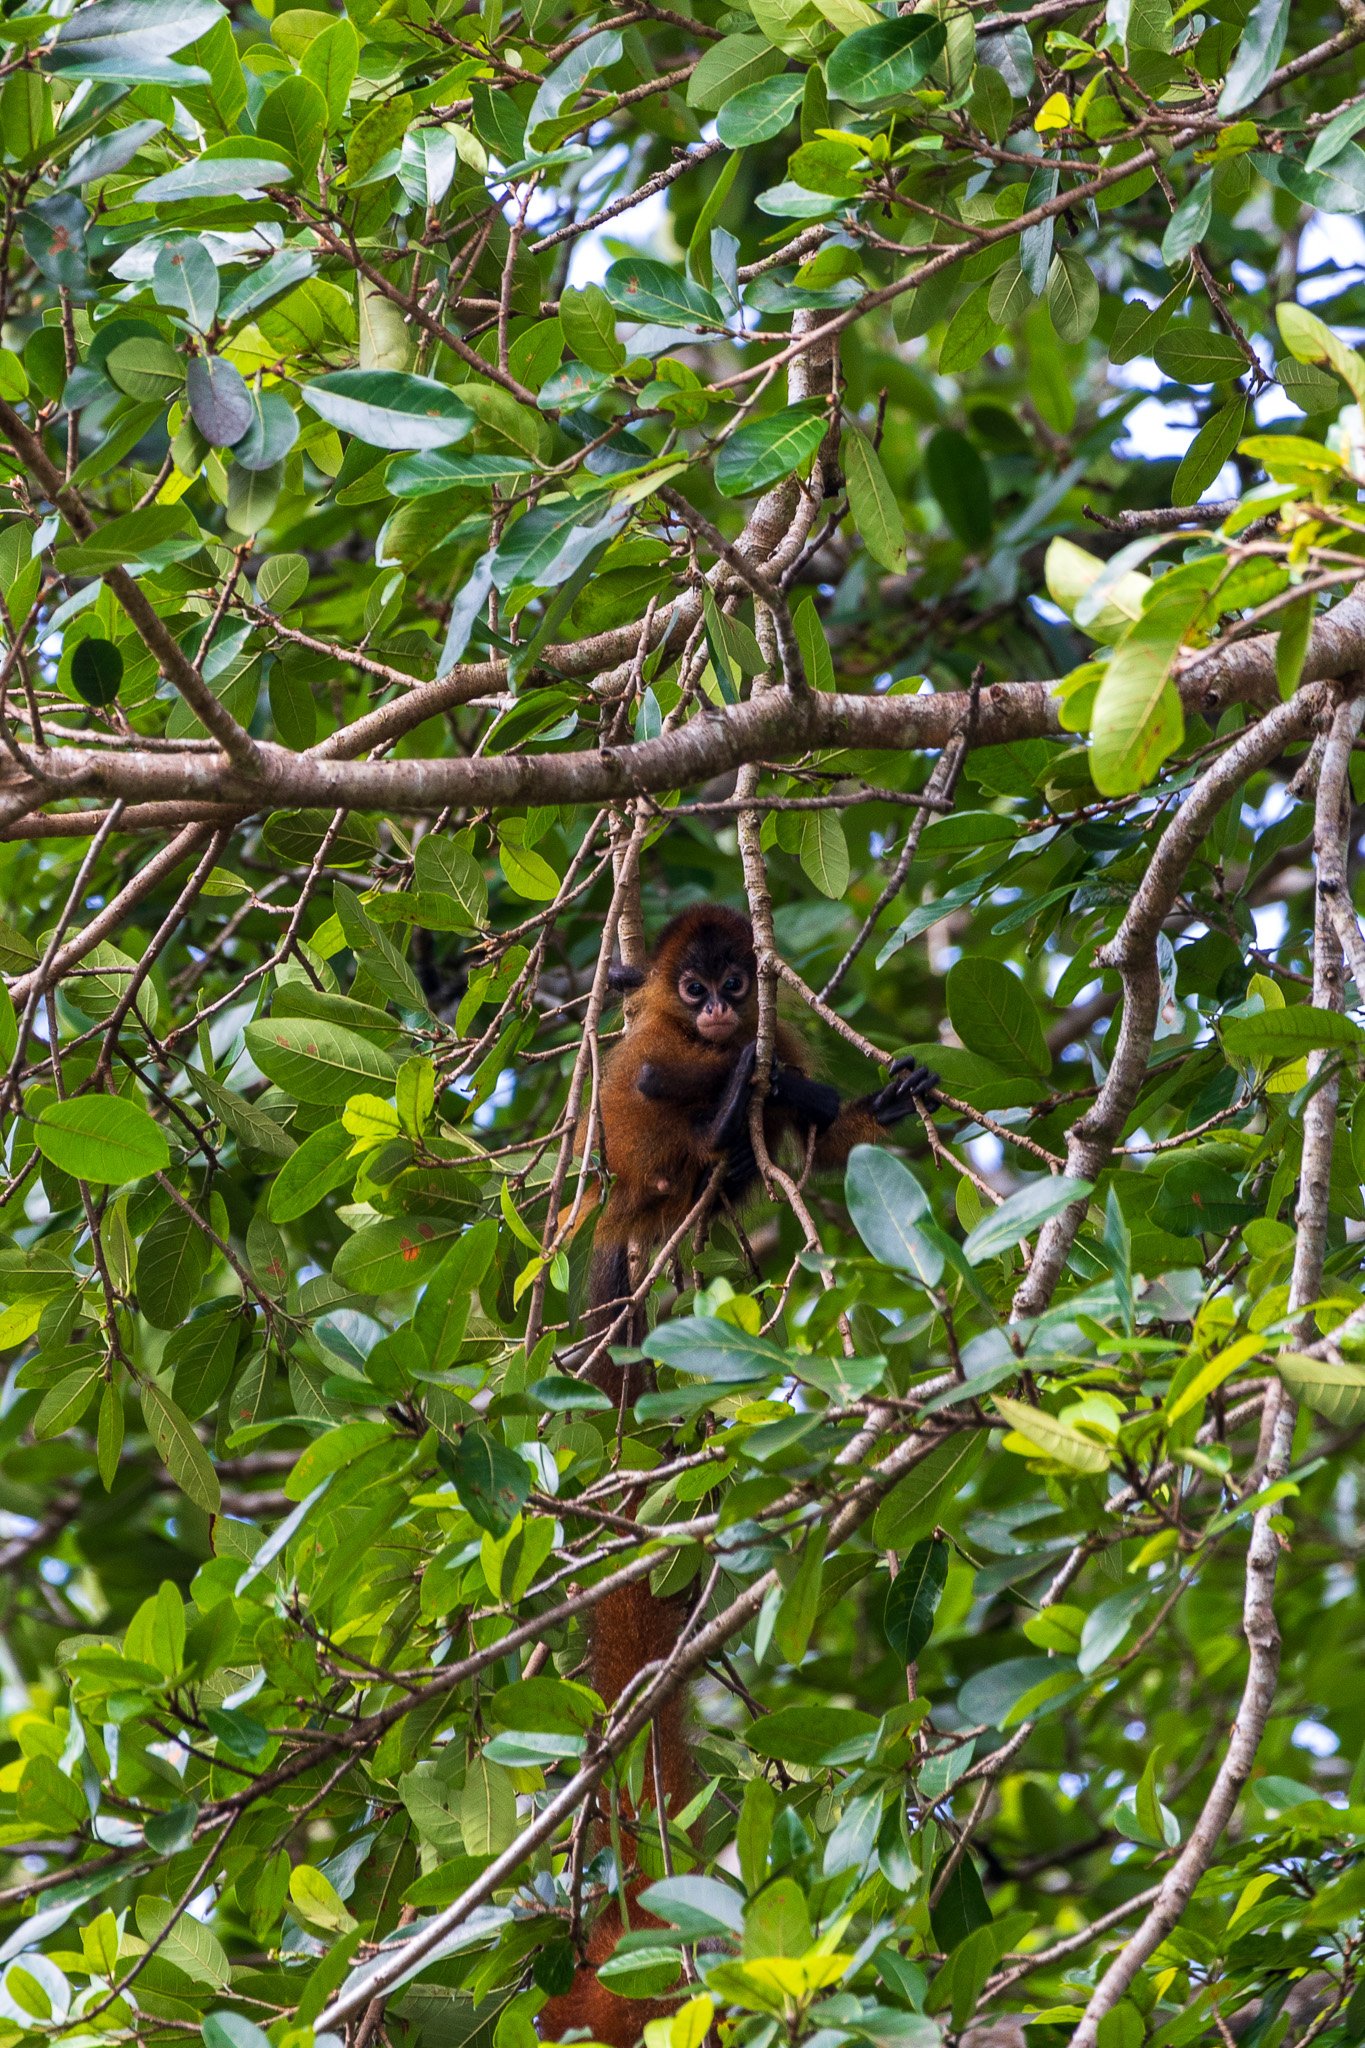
{"x": 471, "y": 484}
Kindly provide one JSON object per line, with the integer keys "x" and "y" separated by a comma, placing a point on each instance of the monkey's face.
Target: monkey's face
{"x": 717, "y": 1003}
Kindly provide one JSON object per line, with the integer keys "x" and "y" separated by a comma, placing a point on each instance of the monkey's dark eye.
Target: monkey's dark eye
{"x": 693, "y": 991}
{"x": 735, "y": 984}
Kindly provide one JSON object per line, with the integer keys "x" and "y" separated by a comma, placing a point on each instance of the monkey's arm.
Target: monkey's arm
{"x": 865, "y": 1121}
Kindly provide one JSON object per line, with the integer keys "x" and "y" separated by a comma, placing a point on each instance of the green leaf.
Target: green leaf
{"x": 294, "y": 119}
{"x": 1189, "y": 223}
{"x": 962, "y": 1908}
{"x": 104, "y": 1139}
{"x": 1285, "y": 1034}
{"x": 315, "y": 1061}
{"x": 970, "y": 332}
{"x": 146, "y": 368}
{"x": 727, "y": 67}
{"x": 1137, "y": 721}
{"x": 886, "y": 1204}
{"x": 1010, "y": 295}
{"x": 560, "y": 87}
{"x": 62, "y": 1406}
{"x": 810, "y": 637}
{"x": 1211, "y": 447}
{"x": 641, "y": 289}
{"x": 885, "y": 60}
{"x": 993, "y": 1014}
{"x": 1310, "y": 340}
{"x": 800, "y": 1602}
{"x": 696, "y": 1905}
{"x": 200, "y": 1357}
{"x": 1073, "y": 296}
{"x": 1021, "y": 1215}
{"x": 760, "y": 111}
{"x": 957, "y": 477}
{"x": 912, "y": 1598}
{"x": 1198, "y": 355}
{"x": 330, "y": 61}
{"x": 97, "y": 671}
{"x": 180, "y": 1449}
{"x": 130, "y": 42}
{"x": 916, "y": 1503}
{"x": 713, "y": 1350}
{"x": 823, "y": 853}
{"x": 220, "y": 403}
{"x": 240, "y": 168}
{"x": 872, "y": 502}
{"x": 1330, "y": 1387}
{"x": 492, "y": 1481}
{"x": 1258, "y": 53}
{"x": 390, "y": 408}
{"x": 1291, "y": 647}
{"x": 765, "y": 450}
{"x": 150, "y": 539}
{"x": 395, "y": 1253}
{"x": 814, "y": 1736}
{"x": 171, "y": 1263}
{"x": 232, "y": 2030}
{"x": 528, "y": 873}
{"x": 189, "y": 1943}
{"x": 1057, "y": 1440}
{"x": 316, "y": 1901}
{"x": 1140, "y": 326}
{"x": 589, "y": 326}
{"x": 109, "y": 1436}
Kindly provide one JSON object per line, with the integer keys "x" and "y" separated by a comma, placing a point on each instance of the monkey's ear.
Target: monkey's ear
{"x": 623, "y": 979}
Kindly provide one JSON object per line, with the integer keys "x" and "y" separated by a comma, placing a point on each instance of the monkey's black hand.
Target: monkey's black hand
{"x": 909, "y": 1084}
{"x": 813, "y": 1104}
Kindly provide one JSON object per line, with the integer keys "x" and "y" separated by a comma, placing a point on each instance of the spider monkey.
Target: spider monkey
{"x": 675, "y": 1092}
{"x": 674, "y": 1105}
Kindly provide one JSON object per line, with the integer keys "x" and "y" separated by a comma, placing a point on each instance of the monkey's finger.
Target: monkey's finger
{"x": 910, "y": 1083}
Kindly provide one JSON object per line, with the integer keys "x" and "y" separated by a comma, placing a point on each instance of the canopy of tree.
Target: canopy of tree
{"x": 472, "y": 483}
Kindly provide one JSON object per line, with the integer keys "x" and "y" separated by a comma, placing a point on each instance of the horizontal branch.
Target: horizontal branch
{"x": 778, "y": 724}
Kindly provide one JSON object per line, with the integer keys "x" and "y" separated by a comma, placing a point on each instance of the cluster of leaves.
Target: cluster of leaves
{"x": 311, "y": 432}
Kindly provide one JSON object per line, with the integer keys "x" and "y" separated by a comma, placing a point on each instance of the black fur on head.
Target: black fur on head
{"x": 705, "y": 940}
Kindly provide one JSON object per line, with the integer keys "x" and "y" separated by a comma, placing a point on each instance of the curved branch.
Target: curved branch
{"x": 1133, "y": 952}
{"x": 1277, "y": 1427}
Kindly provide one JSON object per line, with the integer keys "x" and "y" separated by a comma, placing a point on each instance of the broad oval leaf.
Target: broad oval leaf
{"x": 316, "y": 1061}
{"x": 886, "y": 1204}
{"x": 1330, "y": 1387}
{"x": 1021, "y": 1215}
{"x": 760, "y": 111}
{"x": 885, "y": 60}
{"x": 912, "y": 1598}
{"x": 104, "y": 1139}
{"x": 993, "y": 1014}
{"x": 390, "y": 408}
{"x": 1284, "y": 1034}
{"x": 766, "y": 450}
{"x": 641, "y": 289}
{"x": 1057, "y": 1440}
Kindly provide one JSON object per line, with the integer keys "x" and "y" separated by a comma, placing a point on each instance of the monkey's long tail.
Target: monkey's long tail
{"x": 631, "y": 1629}
{"x": 609, "y": 1288}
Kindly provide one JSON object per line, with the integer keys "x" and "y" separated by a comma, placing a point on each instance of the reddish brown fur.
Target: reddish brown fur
{"x": 660, "y": 1160}
{"x": 653, "y": 1149}
{"x": 631, "y": 1628}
